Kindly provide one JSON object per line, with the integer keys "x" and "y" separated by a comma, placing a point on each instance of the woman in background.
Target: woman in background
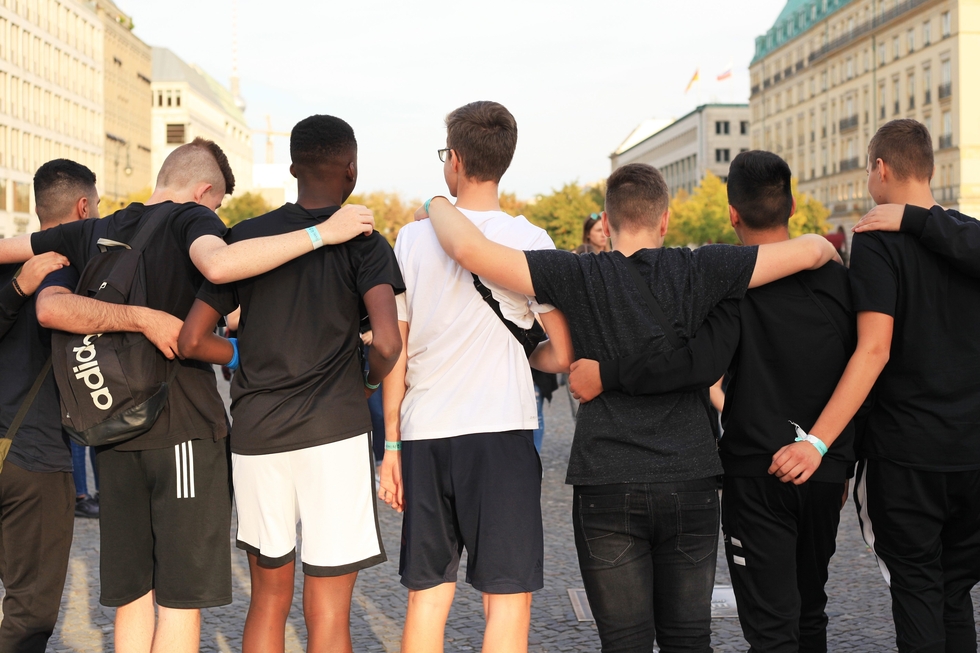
{"x": 593, "y": 240}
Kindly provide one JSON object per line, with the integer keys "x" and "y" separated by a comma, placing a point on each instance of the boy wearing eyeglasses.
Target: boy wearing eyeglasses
{"x": 460, "y": 407}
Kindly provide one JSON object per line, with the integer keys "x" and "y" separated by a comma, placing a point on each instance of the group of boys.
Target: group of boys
{"x": 648, "y": 329}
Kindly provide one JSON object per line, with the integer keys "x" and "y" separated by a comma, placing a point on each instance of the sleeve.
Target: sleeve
{"x": 72, "y": 239}
{"x": 222, "y": 298}
{"x": 724, "y": 271}
{"x": 375, "y": 264}
{"x": 698, "y": 365}
{"x": 10, "y": 305}
{"x": 957, "y": 241}
{"x": 196, "y": 221}
{"x": 64, "y": 278}
{"x": 874, "y": 282}
{"x": 556, "y": 276}
{"x": 402, "y": 305}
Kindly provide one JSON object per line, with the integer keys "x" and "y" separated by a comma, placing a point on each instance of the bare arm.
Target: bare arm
{"x": 391, "y": 490}
{"x": 797, "y": 462}
{"x": 222, "y": 263}
{"x": 59, "y": 308}
{"x": 197, "y": 338}
{"x": 15, "y": 250}
{"x": 386, "y": 346}
{"x": 778, "y": 260}
{"x": 555, "y": 354}
{"x": 466, "y": 244}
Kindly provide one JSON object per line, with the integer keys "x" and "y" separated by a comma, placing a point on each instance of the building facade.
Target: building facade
{"x": 128, "y": 65}
{"x": 188, "y": 103}
{"x": 51, "y": 98}
{"x": 684, "y": 150}
{"x": 830, "y": 72}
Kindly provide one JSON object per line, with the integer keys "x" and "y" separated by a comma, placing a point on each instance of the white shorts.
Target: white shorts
{"x": 329, "y": 489}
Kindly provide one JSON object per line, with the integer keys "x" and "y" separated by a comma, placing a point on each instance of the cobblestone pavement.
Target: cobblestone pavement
{"x": 859, "y": 607}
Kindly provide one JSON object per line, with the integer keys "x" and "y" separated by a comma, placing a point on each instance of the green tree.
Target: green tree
{"x": 511, "y": 205}
{"x": 242, "y": 207}
{"x": 810, "y": 217}
{"x": 702, "y": 216}
{"x": 390, "y": 211}
{"x": 563, "y": 212}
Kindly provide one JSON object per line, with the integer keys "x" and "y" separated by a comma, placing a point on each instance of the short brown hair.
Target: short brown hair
{"x": 199, "y": 161}
{"x": 906, "y": 146}
{"x": 484, "y": 136}
{"x": 636, "y": 197}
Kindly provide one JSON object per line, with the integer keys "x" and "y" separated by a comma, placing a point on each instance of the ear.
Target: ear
{"x": 604, "y": 221}
{"x": 455, "y": 162}
{"x": 201, "y": 191}
{"x": 880, "y": 169}
{"x": 292, "y": 170}
{"x": 792, "y": 211}
{"x": 352, "y": 171}
{"x": 81, "y": 208}
{"x": 734, "y": 217}
{"x": 664, "y": 222}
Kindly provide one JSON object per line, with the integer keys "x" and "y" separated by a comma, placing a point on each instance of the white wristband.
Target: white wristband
{"x": 314, "y": 235}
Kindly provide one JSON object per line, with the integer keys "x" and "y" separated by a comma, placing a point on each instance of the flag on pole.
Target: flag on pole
{"x": 697, "y": 76}
{"x": 726, "y": 74}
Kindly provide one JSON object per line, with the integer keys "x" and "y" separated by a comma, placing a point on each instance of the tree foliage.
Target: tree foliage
{"x": 242, "y": 207}
{"x": 810, "y": 217}
{"x": 563, "y": 212}
{"x": 702, "y": 216}
{"x": 390, "y": 211}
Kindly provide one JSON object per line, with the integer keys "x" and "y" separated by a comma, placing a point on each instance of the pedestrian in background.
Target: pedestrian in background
{"x": 594, "y": 239}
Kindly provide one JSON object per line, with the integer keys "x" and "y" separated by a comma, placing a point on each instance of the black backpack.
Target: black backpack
{"x": 113, "y": 385}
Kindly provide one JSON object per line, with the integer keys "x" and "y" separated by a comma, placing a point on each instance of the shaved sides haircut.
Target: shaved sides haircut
{"x": 636, "y": 197}
{"x": 58, "y": 185}
{"x": 199, "y": 161}
{"x": 906, "y": 146}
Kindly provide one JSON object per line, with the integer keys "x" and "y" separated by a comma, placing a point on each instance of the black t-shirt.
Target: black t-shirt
{"x": 40, "y": 444}
{"x": 926, "y": 410}
{"x": 624, "y": 439}
{"x": 194, "y": 409}
{"x": 301, "y": 382}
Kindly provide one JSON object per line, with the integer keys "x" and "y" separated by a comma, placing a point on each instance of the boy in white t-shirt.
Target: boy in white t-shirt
{"x": 461, "y": 403}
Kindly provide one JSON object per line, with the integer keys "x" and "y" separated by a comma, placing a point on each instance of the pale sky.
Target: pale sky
{"x": 578, "y": 76}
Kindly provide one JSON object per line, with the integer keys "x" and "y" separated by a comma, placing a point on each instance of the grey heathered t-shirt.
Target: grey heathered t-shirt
{"x": 643, "y": 439}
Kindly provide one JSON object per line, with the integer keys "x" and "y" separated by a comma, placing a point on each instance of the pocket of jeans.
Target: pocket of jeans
{"x": 606, "y": 526}
{"x": 697, "y": 524}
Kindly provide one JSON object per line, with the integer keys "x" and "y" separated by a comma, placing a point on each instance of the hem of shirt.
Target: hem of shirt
{"x": 470, "y": 429}
{"x": 32, "y": 468}
{"x": 757, "y": 466}
{"x": 650, "y": 478}
{"x": 922, "y": 467}
{"x": 163, "y": 443}
{"x": 319, "y": 440}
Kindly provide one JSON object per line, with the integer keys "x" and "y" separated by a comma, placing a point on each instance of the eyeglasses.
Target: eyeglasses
{"x": 444, "y": 154}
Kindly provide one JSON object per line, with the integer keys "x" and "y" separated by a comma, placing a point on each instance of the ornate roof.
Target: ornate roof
{"x": 796, "y": 18}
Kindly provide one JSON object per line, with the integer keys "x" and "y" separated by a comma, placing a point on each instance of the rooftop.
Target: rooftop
{"x": 168, "y": 67}
{"x": 653, "y": 126}
{"x": 796, "y": 18}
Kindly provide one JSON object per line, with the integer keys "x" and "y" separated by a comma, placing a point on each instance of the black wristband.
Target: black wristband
{"x": 17, "y": 288}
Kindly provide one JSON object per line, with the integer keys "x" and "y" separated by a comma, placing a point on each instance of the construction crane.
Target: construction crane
{"x": 270, "y": 150}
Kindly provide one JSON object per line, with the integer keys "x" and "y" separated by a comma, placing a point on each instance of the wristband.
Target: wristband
{"x": 803, "y": 436}
{"x": 17, "y": 288}
{"x": 426, "y": 205}
{"x": 369, "y": 385}
{"x": 393, "y": 446}
{"x": 314, "y": 235}
{"x": 234, "y": 362}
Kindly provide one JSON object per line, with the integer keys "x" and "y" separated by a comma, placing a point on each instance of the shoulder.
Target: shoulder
{"x": 412, "y": 234}
{"x": 267, "y": 224}
{"x": 517, "y": 232}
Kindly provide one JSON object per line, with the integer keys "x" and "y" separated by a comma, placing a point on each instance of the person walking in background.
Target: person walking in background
{"x": 594, "y": 238}
{"x": 37, "y": 494}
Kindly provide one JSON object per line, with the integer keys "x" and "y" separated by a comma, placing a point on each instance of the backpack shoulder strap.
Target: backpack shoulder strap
{"x": 28, "y": 401}
{"x": 149, "y": 225}
{"x": 653, "y": 304}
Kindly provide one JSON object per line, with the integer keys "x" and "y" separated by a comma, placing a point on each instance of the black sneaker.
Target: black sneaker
{"x": 86, "y": 507}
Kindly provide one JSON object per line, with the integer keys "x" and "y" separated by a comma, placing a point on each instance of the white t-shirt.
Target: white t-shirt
{"x": 466, "y": 371}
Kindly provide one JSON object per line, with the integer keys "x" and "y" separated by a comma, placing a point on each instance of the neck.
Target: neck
{"x": 161, "y": 195}
{"x": 763, "y": 236}
{"x": 477, "y": 195}
{"x": 916, "y": 194}
{"x": 318, "y": 196}
{"x": 628, "y": 243}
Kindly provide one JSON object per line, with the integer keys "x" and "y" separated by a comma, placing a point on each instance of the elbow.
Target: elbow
{"x": 388, "y": 348}
{"x": 188, "y": 345}
{"x": 216, "y": 273}
{"x": 47, "y": 315}
{"x": 564, "y": 360}
{"x": 462, "y": 253}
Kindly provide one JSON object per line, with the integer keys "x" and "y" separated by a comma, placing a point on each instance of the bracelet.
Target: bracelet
{"x": 803, "y": 436}
{"x": 393, "y": 446}
{"x": 17, "y": 288}
{"x": 369, "y": 385}
{"x": 314, "y": 235}
{"x": 234, "y": 362}
{"x": 426, "y": 205}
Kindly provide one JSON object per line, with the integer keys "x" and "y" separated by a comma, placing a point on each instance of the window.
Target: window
{"x": 722, "y": 127}
{"x": 867, "y": 61}
{"x": 910, "y": 89}
{"x": 823, "y": 81}
{"x": 881, "y": 54}
{"x": 850, "y": 68}
{"x": 881, "y": 102}
{"x": 910, "y": 40}
{"x": 895, "y": 94}
{"x": 896, "y": 46}
{"x": 947, "y": 123}
{"x": 947, "y": 26}
{"x": 22, "y": 195}
{"x": 947, "y": 72}
{"x": 176, "y": 98}
{"x": 3, "y": 182}
{"x": 723, "y": 156}
{"x": 744, "y": 128}
{"x": 927, "y": 83}
{"x": 927, "y": 32}
{"x": 176, "y": 134}
{"x": 927, "y": 121}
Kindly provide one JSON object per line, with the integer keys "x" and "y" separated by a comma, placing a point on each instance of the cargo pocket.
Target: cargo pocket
{"x": 606, "y": 526}
{"x": 697, "y": 524}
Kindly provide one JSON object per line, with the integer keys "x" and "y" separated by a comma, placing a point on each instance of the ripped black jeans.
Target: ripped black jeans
{"x": 647, "y": 553}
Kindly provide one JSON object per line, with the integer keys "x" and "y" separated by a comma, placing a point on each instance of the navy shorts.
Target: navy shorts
{"x": 481, "y": 492}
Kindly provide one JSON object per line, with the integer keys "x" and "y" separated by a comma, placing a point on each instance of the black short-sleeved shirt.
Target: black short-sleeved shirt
{"x": 926, "y": 409}
{"x": 194, "y": 409}
{"x": 624, "y": 439}
{"x": 40, "y": 444}
{"x": 301, "y": 382}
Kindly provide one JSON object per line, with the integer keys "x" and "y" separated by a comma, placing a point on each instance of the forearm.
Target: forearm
{"x": 546, "y": 358}
{"x": 778, "y": 260}
{"x": 853, "y": 388}
{"x": 252, "y": 257}
{"x": 379, "y": 365}
{"x": 957, "y": 242}
{"x": 210, "y": 348}
{"x": 15, "y": 250}
{"x": 75, "y": 314}
{"x": 393, "y": 390}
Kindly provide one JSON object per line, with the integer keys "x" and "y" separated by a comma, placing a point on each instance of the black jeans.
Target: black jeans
{"x": 647, "y": 554}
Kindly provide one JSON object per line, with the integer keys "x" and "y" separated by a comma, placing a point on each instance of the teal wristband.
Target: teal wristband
{"x": 803, "y": 436}
{"x": 369, "y": 385}
{"x": 426, "y": 205}
{"x": 314, "y": 235}
{"x": 393, "y": 446}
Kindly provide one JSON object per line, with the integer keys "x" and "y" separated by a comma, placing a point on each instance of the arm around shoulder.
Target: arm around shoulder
{"x": 778, "y": 260}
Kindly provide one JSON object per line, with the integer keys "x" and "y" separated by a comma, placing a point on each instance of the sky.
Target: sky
{"x": 578, "y": 75}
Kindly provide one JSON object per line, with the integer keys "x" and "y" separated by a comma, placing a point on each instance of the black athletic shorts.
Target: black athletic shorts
{"x": 166, "y": 523}
{"x": 481, "y": 492}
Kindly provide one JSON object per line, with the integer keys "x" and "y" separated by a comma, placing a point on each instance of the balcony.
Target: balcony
{"x": 778, "y": 77}
{"x": 766, "y": 83}
{"x": 945, "y": 141}
{"x": 850, "y": 164}
{"x": 947, "y": 194}
{"x": 799, "y": 65}
{"x": 945, "y": 90}
{"x": 928, "y": 98}
{"x": 912, "y": 103}
{"x": 864, "y": 28}
{"x": 847, "y": 124}
{"x": 755, "y": 90}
